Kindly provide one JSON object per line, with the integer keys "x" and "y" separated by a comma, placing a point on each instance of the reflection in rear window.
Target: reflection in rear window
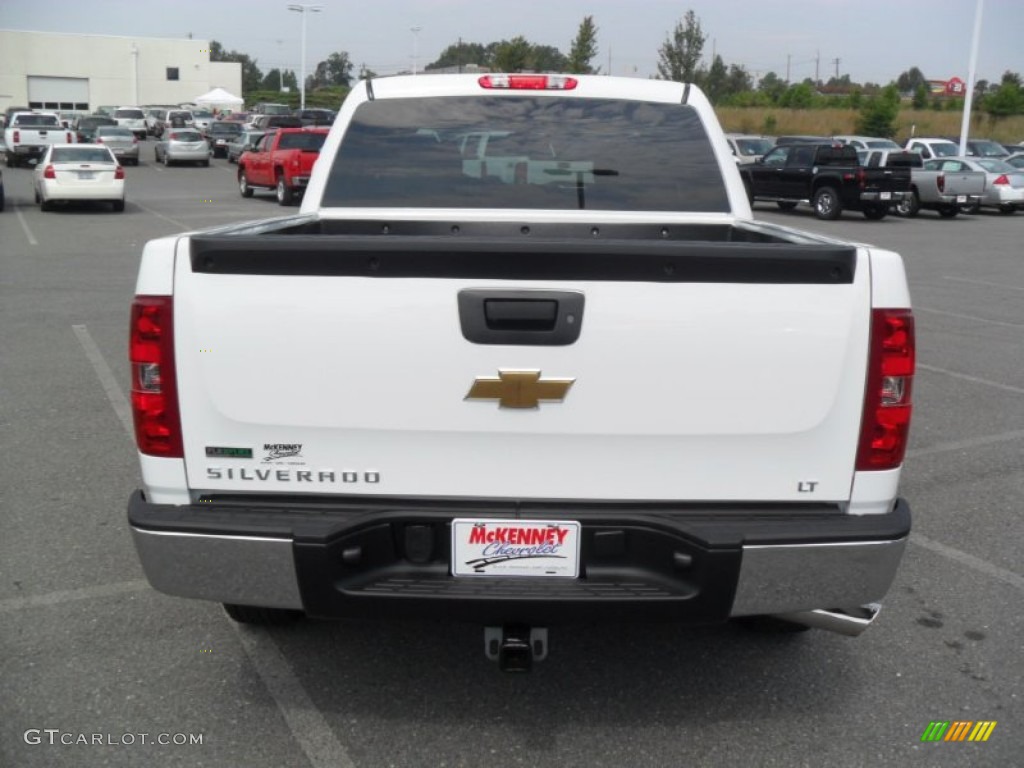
{"x": 133, "y": 114}
{"x": 81, "y": 155}
{"x": 186, "y": 136}
{"x": 529, "y": 152}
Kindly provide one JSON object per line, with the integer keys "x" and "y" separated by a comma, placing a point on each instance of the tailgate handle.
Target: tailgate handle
{"x": 520, "y": 314}
{"x": 540, "y": 318}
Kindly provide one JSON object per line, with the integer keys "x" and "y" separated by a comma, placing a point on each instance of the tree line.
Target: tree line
{"x": 680, "y": 58}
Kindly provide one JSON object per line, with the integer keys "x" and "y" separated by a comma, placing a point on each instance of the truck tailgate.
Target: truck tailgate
{"x": 300, "y": 376}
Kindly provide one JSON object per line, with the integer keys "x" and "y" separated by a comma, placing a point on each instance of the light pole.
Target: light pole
{"x": 303, "y": 9}
{"x": 415, "y": 52}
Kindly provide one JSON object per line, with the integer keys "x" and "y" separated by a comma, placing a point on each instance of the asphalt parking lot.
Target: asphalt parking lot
{"x": 87, "y": 649}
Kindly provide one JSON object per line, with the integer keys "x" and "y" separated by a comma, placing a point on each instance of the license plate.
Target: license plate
{"x": 86, "y": 175}
{"x": 540, "y": 548}
{"x": 887, "y": 195}
{"x": 961, "y": 198}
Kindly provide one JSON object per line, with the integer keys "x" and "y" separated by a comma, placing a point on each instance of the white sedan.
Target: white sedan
{"x": 78, "y": 172}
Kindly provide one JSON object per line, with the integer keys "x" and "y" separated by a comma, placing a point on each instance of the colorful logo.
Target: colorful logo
{"x": 958, "y": 730}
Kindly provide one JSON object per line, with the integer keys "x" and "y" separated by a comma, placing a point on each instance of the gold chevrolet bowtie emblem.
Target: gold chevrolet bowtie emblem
{"x": 519, "y": 389}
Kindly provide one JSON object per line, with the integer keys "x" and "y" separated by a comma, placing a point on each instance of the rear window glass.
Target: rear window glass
{"x": 302, "y": 141}
{"x": 134, "y": 114}
{"x": 225, "y": 128}
{"x": 945, "y": 149}
{"x": 186, "y": 136}
{"x": 81, "y": 155}
{"x": 107, "y": 130}
{"x": 39, "y": 121}
{"x": 526, "y": 152}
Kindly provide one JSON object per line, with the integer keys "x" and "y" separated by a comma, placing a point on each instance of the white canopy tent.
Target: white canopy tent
{"x": 218, "y": 98}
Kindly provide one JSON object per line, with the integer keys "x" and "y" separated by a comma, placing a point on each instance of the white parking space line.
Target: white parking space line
{"x": 961, "y": 445}
{"x": 972, "y": 379}
{"x": 983, "y": 282}
{"x": 177, "y": 223}
{"x": 118, "y": 401}
{"x": 1003, "y": 575}
{"x": 307, "y": 725}
{"x": 24, "y": 225}
{"x": 305, "y": 721}
{"x": 11, "y": 604}
{"x": 974, "y": 318}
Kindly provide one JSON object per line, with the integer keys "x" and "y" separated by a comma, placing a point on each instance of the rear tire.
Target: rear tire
{"x": 254, "y": 614}
{"x": 827, "y": 205}
{"x": 285, "y": 195}
{"x": 1007, "y": 210}
{"x": 243, "y": 184}
{"x": 948, "y": 211}
{"x": 874, "y": 212}
{"x": 909, "y": 206}
{"x": 786, "y": 205}
{"x": 970, "y": 209}
{"x": 118, "y": 206}
{"x": 45, "y": 205}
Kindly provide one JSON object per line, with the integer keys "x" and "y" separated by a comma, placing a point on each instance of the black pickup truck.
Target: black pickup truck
{"x": 830, "y": 178}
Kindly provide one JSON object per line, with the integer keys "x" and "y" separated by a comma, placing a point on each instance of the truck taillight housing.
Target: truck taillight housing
{"x": 940, "y": 181}
{"x": 885, "y": 422}
{"x": 154, "y": 387}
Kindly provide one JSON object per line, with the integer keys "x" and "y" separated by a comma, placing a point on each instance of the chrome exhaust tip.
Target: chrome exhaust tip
{"x": 844, "y": 621}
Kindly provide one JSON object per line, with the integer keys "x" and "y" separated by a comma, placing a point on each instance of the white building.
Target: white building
{"x": 48, "y": 70}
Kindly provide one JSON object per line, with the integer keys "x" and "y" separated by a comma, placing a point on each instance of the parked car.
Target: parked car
{"x": 202, "y": 119}
{"x": 269, "y": 108}
{"x": 122, "y": 142}
{"x": 982, "y": 148}
{"x": 1017, "y": 160}
{"x": 182, "y": 146}
{"x": 85, "y": 127}
{"x": 947, "y": 192}
{"x": 219, "y": 134}
{"x": 748, "y": 149}
{"x": 282, "y": 161}
{"x": 78, "y": 172}
{"x": 929, "y": 149}
{"x": 315, "y": 117}
{"x": 175, "y": 118}
{"x": 236, "y": 117}
{"x": 867, "y": 142}
{"x": 1004, "y": 184}
{"x": 133, "y": 119}
{"x": 154, "y": 116}
{"x": 244, "y": 142}
{"x": 265, "y": 122}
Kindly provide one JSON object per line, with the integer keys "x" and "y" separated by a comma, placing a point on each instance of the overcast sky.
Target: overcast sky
{"x": 874, "y": 40}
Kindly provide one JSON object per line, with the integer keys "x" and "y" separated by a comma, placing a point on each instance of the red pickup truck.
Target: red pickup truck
{"x": 283, "y": 161}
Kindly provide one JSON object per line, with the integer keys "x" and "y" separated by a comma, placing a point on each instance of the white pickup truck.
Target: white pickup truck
{"x": 438, "y": 393}
{"x": 31, "y": 133}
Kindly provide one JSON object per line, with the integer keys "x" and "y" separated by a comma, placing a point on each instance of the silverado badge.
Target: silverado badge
{"x": 519, "y": 389}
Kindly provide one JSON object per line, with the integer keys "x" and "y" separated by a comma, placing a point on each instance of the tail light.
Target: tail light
{"x": 99, "y": 140}
{"x": 49, "y": 172}
{"x": 885, "y": 422}
{"x": 154, "y": 386}
{"x": 119, "y": 172}
{"x": 68, "y": 134}
{"x": 529, "y": 82}
{"x": 862, "y": 178}
{"x": 1002, "y": 180}
{"x": 17, "y": 136}
{"x": 940, "y": 180}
